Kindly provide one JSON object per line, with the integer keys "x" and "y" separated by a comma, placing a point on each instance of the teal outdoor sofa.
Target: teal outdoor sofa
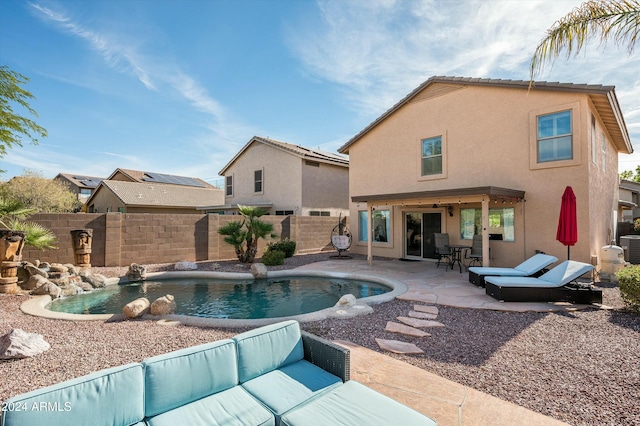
{"x": 272, "y": 375}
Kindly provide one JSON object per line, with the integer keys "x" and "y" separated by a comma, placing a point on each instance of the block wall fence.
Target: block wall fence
{"x": 120, "y": 239}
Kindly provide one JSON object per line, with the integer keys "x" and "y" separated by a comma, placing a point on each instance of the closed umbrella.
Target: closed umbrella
{"x": 568, "y": 223}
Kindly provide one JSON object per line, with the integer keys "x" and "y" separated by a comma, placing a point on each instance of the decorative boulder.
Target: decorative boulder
{"x": 34, "y": 282}
{"x": 34, "y": 270}
{"x": 186, "y": 266}
{"x": 137, "y": 272}
{"x": 96, "y": 280}
{"x": 347, "y": 300}
{"x": 164, "y": 305}
{"x": 259, "y": 270}
{"x": 20, "y": 344}
{"x": 48, "y": 288}
{"x": 57, "y": 267}
{"x": 137, "y": 308}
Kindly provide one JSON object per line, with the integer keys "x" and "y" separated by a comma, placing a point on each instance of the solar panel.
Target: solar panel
{"x": 88, "y": 181}
{"x": 172, "y": 179}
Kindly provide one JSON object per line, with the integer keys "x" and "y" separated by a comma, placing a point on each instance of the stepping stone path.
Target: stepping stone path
{"x": 422, "y": 316}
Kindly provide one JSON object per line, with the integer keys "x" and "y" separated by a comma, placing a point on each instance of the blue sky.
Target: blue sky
{"x": 179, "y": 87}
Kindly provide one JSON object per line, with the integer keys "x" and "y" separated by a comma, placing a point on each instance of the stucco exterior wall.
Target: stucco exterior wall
{"x": 325, "y": 188}
{"x": 104, "y": 201}
{"x": 489, "y": 139}
{"x": 282, "y": 177}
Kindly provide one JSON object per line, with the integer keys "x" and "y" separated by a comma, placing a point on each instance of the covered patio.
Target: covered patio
{"x": 485, "y": 196}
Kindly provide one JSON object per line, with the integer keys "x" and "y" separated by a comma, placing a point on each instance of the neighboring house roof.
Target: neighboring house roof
{"x": 297, "y": 150}
{"x": 603, "y": 97}
{"x": 81, "y": 181}
{"x": 160, "y": 195}
{"x": 630, "y": 185}
{"x": 160, "y": 178}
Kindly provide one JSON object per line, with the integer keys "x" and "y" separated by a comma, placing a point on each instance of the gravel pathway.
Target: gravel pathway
{"x": 580, "y": 367}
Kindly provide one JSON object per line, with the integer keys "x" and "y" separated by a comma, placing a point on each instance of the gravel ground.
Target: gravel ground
{"x": 580, "y": 367}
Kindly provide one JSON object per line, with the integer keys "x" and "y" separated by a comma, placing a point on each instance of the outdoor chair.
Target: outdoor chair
{"x": 475, "y": 253}
{"x": 443, "y": 250}
{"x": 556, "y": 285}
{"x": 534, "y": 266}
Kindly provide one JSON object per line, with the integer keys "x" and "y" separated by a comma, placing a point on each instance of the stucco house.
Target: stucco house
{"x": 285, "y": 179}
{"x": 82, "y": 186}
{"x": 130, "y": 191}
{"x": 492, "y": 157}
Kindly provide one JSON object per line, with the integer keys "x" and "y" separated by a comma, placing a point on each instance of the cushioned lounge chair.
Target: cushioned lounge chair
{"x": 557, "y": 285}
{"x": 529, "y": 268}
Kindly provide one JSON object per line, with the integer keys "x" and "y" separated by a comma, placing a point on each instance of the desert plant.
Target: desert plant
{"x": 287, "y": 246}
{"x": 13, "y": 215}
{"x": 629, "y": 281}
{"x": 244, "y": 235}
{"x": 273, "y": 257}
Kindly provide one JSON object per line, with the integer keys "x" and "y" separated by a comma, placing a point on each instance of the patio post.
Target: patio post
{"x": 485, "y": 232}
{"x": 369, "y": 232}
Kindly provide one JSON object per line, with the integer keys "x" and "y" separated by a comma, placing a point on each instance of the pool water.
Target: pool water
{"x": 233, "y": 299}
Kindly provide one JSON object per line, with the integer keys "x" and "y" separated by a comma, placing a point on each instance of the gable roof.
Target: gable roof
{"x": 81, "y": 181}
{"x": 297, "y": 150}
{"x": 160, "y": 195}
{"x": 603, "y": 97}
{"x": 159, "y": 178}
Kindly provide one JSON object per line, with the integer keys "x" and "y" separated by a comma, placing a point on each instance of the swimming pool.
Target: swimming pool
{"x": 227, "y": 299}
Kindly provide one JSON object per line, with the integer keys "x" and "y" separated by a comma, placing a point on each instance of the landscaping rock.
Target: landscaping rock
{"x": 34, "y": 270}
{"x": 20, "y": 344}
{"x": 259, "y": 270}
{"x": 394, "y": 327}
{"x": 56, "y": 267}
{"x": 347, "y": 300}
{"x": 416, "y": 322}
{"x": 48, "y": 288}
{"x": 96, "y": 280}
{"x": 398, "y": 347}
{"x": 136, "y": 272}
{"x": 186, "y": 266}
{"x": 34, "y": 282}
{"x": 137, "y": 308}
{"x": 164, "y": 305}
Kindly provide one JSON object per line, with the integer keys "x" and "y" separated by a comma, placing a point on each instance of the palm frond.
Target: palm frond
{"x": 614, "y": 19}
{"x": 37, "y": 236}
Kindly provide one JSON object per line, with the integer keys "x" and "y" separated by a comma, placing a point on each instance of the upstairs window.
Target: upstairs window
{"x": 432, "y": 156}
{"x": 229, "y": 185}
{"x": 554, "y": 137}
{"x": 257, "y": 181}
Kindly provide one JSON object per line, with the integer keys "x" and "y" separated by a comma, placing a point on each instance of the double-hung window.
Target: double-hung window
{"x": 554, "y": 137}
{"x": 229, "y": 186}
{"x": 381, "y": 226}
{"x": 257, "y": 181}
{"x": 431, "y": 156}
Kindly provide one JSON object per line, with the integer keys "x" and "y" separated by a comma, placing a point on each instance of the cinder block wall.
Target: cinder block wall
{"x": 121, "y": 239}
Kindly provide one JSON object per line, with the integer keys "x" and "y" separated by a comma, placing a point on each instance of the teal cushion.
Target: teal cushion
{"x": 233, "y": 407}
{"x": 354, "y": 404}
{"x": 184, "y": 376}
{"x": 267, "y": 348}
{"x": 536, "y": 263}
{"x": 282, "y": 389}
{"x": 108, "y": 397}
{"x": 566, "y": 272}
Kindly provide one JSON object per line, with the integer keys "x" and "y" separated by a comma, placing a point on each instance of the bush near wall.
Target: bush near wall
{"x": 629, "y": 281}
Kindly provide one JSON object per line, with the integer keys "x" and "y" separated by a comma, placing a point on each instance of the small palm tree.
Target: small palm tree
{"x": 617, "y": 19}
{"x": 244, "y": 236}
{"x": 13, "y": 215}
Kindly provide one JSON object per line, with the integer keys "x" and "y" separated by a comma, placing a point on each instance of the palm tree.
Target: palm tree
{"x": 616, "y": 19}
{"x": 13, "y": 215}
{"x": 244, "y": 235}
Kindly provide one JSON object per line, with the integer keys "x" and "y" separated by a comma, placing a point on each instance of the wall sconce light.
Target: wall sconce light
{"x": 450, "y": 210}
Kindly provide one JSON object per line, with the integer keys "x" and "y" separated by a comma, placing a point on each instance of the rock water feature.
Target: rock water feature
{"x": 58, "y": 280}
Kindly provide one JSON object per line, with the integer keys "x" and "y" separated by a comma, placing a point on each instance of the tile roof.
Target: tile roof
{"x": 603, "y": 98}
{"x": 82, "y": 181}
{"x": 297, "y": 150}
{"x": 163, "y": 195}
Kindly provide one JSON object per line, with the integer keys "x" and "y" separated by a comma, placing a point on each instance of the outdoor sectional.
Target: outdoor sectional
{"x": 273, "y": 375}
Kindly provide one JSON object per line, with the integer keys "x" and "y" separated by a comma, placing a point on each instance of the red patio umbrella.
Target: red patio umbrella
{"x": 568, "y": 223}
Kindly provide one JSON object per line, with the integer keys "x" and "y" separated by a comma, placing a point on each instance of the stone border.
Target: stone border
{"x": 36, "y": 304}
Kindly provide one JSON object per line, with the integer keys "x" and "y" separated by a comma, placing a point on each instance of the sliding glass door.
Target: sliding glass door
{"x": 419, "y": 230}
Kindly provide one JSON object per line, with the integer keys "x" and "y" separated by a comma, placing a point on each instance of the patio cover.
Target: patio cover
{"x": 483, "y": 195}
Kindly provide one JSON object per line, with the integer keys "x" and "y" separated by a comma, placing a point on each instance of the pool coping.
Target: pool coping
{"x": 36, "y": 304}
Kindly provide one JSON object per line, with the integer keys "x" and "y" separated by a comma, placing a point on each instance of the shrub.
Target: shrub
{"x": 286, "y": 246}
{"x": 629, "y": 279}
{"x": 273, "y": 257}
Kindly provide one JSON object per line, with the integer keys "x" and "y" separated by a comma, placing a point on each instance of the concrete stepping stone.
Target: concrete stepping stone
{"x": 413, "y": 296}
{"x": 394, "y": 327}
{"x": 415, "y": 322}
{"x": 398, "y": 347}
{"x": 422, "y": 315}
{"x": 427, "y": 309}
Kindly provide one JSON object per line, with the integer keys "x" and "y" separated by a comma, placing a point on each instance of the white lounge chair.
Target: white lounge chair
{"x": 530, "y": 267}
{"x": 556, "y": 285}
